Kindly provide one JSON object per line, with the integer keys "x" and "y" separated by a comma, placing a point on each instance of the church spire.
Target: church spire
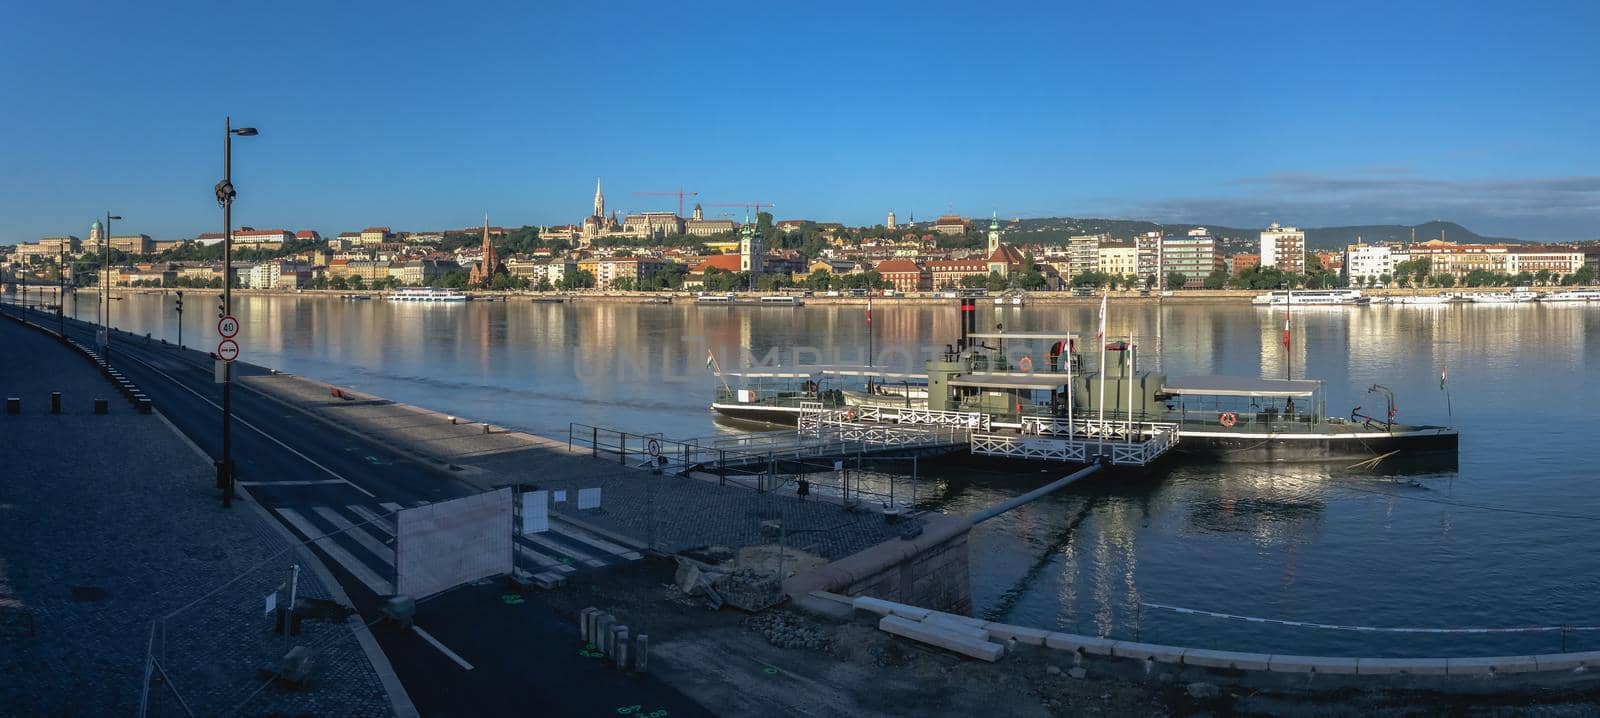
{"x": 599, "y": 199}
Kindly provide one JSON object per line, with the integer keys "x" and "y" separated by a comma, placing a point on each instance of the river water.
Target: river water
{"x": 1507, "y": 539}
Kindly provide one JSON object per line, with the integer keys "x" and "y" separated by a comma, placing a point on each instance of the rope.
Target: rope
{"x": 1368, "y": 629}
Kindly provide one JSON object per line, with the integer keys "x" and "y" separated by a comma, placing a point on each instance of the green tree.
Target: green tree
{"x": 996, "y": 282}
{"x": 503, "y": 282}
{"x": 340, "y": 282}
{"x": 1542, "y": 277}
{"x": 1176, "y": 280}
{"x": 544, "y": 284}
{"x": 974, "y": 281}
{"x": 356, "y": 282}
{"x": 622, "y": 284}
{"x": 1150, "y": 281}
{"x": 1581, "y": 278}
{"x": 820, "y": 280}
{"x": 1217, "y": 279}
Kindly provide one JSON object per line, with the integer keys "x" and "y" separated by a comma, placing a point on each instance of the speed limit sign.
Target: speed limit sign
{"x": 227, "y": 326}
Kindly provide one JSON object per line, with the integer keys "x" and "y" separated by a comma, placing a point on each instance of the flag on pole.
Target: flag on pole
{"x": 1286, "y": 330}
{"x": 1444, "y": 376}
{"x": 1103, "y": 297}
{"x": 869, "y": 308}
{"x": 711, "y": 361}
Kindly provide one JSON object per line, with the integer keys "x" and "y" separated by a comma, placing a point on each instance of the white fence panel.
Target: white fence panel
{"x": 443, "y": 545}
{"x": 535, "y": 512}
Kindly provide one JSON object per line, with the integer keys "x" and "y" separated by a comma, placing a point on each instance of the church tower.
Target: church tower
{"x": 890, "y": 224}
{"x": 699, "y": 214}
{"x": 750, "y": 251}
{"x": 994, "y": 233}
{"x": 599, "y": 199}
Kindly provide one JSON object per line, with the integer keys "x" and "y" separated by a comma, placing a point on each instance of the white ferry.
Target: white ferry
{"x": 1311, "y": 297}
{"x": 1573, "y": 295}
{"x": 426, "y": 294}
{"x": 1513, "y": 297}
{"x": 781, "y": 300}
{"x": 714, "y": 298}
{"x": 1423, "y": 299}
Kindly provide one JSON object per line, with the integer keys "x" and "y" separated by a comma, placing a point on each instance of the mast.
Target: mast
{"x": 1288, "y": 356}
{"x": 1129, "y": 374}
{"x": 1100, "y": 409}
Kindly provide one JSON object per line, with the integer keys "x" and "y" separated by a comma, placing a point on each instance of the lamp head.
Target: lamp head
{"x": 245, "y": 131}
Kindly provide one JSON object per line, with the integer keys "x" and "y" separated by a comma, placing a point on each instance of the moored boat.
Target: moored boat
{"x": 1310, "y": 297}
{"x": 425, "y": 294}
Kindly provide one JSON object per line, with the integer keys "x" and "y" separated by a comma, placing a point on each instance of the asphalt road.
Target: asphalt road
{"x": 524, "y": 658}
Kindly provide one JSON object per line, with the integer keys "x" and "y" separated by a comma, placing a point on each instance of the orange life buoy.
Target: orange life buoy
{"x": 1025, "y": 364}
{"x": 1229, "y": 419}
{"x": 850, "y": 415}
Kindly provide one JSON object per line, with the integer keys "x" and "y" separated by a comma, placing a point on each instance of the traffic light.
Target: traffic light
{"x": 180, "y": 301}
{"x": 222, "y": 309}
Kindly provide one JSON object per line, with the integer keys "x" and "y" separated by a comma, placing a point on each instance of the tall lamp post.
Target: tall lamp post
{"x": 105, "y": 294}
{"x": 61, "y": 293}
{"x": 225, "y": 195}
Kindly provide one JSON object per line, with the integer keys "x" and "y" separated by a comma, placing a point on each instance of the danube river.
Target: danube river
{"x": 1507, "y": 540}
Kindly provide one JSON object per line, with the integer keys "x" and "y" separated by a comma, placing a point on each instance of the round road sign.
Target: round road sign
{"x": 228, "y": 350}
{"x": 654, "y": 447}
{"x": 228, "y": 327}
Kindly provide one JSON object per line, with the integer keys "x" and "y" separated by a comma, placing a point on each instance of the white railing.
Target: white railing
{"x": 1019, "y": 447}
{"x": 976, "y": 421}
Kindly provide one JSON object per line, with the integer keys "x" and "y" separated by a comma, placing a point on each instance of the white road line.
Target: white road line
{"x": 320, "y": 482}
{"x": 542, "y": 560}
{"x": 575, "y": 533}
{"x": 360, "y": 570}
{"x": 384, "y": 553}
{"x": 442, "y": 649}
{"x": 372, "y": 518}
{"x": 576, "y": 555}
{"x": 253, "y": 427}
{"x": 390, "y": 506}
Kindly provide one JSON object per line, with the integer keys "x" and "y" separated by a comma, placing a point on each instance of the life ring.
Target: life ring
{"x": 1229, "y": 419}
{"x": 850, "y": 415}
{"x": 1025, "y": 364}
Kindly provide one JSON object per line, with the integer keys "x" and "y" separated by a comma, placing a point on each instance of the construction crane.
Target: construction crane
{"x": 679, "y": 193}
{"x": 746, "y": 205}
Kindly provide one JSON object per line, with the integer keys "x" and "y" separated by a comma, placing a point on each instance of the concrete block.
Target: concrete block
{"x": 936, "y": 636}
{"x": 872, "y": 605}
{"x": 1022, "y": 634}
{"x": 1567, "y": 661}
{"x": 585, "y": 619}
{"x": 1226, "y": 659}
{"x": 1401, "y": 666}
{"x": 953, "y": 621}
{"x": 1489, "y": 665}
{"x": 1312, "y": 664}
{"x": 1090, "y": 645}
{"x": 1148, "y": 652}
{"x": 641, "y": 653}
{"x": 619, "y": 642}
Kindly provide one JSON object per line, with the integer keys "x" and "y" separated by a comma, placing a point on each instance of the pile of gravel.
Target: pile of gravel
{"x": 786, "y": 629}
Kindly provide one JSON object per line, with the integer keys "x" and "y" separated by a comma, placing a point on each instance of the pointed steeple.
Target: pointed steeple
{"x": 599, "y": 199}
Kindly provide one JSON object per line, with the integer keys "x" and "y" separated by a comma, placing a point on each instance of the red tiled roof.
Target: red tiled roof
{"x": 1006, "y": 253}
{"x": 726, "y": 262}
{"x": 897, "y": 266}
{"x": 305, "y": 234}
{"x": 384, "y": 230}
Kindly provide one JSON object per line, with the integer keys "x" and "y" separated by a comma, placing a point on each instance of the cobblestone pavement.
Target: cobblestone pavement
{"x": 106, "y": 523}
{"x": 673, "y": 512}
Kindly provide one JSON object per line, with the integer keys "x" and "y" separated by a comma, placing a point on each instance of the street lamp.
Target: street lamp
{"x": 225, "y": 195}
{"x": 105, "y": 294}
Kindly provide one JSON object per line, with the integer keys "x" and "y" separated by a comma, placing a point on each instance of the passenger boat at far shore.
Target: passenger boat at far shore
{"x": 1311, "y": 298}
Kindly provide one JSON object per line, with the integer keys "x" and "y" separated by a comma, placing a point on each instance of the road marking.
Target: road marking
{"x": 542, "y": 560}
{"x": 572, "y": 531}
{"x": 319, "y": 482}
{"x": 384, "y": 553}
{"x": 371, "y": 517}
{"x": 254, "y": 428}
{"x": 360, "y": 570}
{"x": 554, "y": 547}
{"x": 442, "y": 648}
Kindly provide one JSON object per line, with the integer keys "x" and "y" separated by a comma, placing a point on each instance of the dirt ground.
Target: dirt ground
{"x": 783, "y": 662}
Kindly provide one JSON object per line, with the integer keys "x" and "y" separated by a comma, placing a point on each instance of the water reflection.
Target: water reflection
{"x": 1506, "y": 540}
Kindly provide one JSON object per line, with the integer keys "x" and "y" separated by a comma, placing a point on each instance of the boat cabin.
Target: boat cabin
{"x": 1246, "y": 403}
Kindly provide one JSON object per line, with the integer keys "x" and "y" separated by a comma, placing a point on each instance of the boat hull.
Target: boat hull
{"x": 1237, "y": 447}
{"x": 776, "y": 415}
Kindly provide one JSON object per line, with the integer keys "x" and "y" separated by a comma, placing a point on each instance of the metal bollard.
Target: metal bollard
{"x": 641, "y": 653}
{"x": 620, "y": 640}
{"x": 55, "y": 402}
{"x": 13, "y": 405}
{"x": 585, "y": 623}
{"x": 101, "y": 407}
{"x": 602, "y": 632}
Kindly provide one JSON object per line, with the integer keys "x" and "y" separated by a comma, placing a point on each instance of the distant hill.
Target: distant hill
{"x": 1056, "y": 230}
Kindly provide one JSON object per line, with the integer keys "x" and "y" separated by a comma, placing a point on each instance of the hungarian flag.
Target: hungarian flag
{"x": 869, "y": 308}
{"x": 1103, "y": 297}
{"x": 1444, "y": 376}
{"x": 711, "y": 361}
{"x": 1286, "y": 332}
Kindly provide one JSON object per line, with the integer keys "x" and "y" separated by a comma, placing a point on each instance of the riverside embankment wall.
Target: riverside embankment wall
{"x": 1133, "y": 660}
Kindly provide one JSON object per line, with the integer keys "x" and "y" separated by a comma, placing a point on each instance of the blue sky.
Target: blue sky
{"x": 426, "y": 115}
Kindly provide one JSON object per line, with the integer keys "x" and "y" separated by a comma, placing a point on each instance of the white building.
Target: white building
{"x": 1118, "y": 260}
{"x": 1083, "y": 252}
{"x": 1284, "y": 248}
{"x": 1147, "y": 255}
{"x": 261, "y": 236}
{"x": 1366, "y": 263}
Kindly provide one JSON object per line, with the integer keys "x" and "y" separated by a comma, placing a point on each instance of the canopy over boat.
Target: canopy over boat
{"x": 1009, "y": 380}
{"x": 1240, "y": 386}
{"x": 1051, "y": 336}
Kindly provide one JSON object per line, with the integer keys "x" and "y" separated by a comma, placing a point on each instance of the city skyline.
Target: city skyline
{"x": 1364, "y": 114}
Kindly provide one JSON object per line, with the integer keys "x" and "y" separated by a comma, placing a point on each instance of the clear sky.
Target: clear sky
{"x": 425, "y": 115}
